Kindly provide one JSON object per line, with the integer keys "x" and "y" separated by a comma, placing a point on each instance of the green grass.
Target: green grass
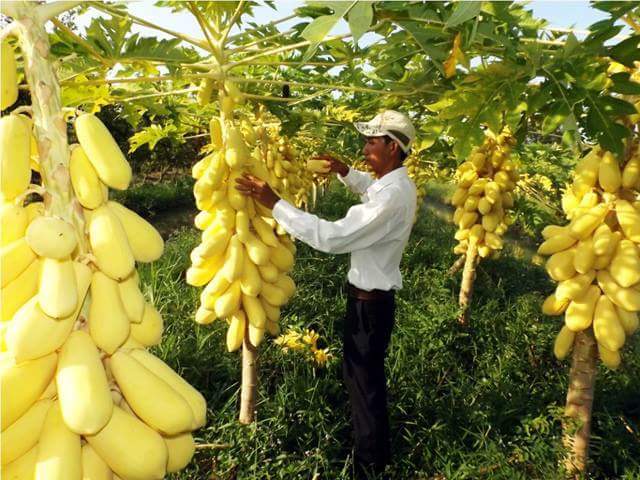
{"x": 482, "y": 402}
{"x": 149, "y": 199}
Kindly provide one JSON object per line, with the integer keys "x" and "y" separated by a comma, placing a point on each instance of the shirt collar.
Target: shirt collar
{"x": 388, "y": 179}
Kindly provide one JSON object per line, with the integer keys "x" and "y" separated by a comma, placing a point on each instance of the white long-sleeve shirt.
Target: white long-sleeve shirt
{"x": 375, "y": 232}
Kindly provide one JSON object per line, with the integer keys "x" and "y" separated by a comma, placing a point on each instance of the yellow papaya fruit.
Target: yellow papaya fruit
{"x": 477, "y": 188}
{"x": 149, "y": 331}
{"x": 625, "y": 264}
{"x": 628, "y": 320}
{"x": 606, "y": 326}
{"x": 318, "y": 166}
{"x": 269, "y": 272}
{"x": 59, "y": 449}
{"x": 80, "y": 369}
{"x": 584, "y": 225}
{"x": 484, "y": 206}
{"x": 151, "y": 398}
{"x": 236, "y": 199}
{"x": 15, "y": 157}
{"x": 467, "y": 219}
{"x": 237, "y": 154}
{"x": 609, "y": 175}
{"x": 556, "y": 244}
{"x": 610, "y": 358}
{"x": 84, "y": 179}
{"x": 180, "y": 449}
{"x": 110, "y": 244}
{"x": 109, "y": 325}
{"x": 132, "y": 298}
{"x": 585, "y": 257}
{"x": 631, "y": 172}
{"x": 629, "y": 220}
{"x": 23, "y": 434}
{"x": 282, "y": 258}
{"x": 33, "y": 334}
{"x": 14, "y": 259}
{"x": 124, "y": 441}
{"x": 236, "y": 331}
{"x": 103, "y": 151}
{"x": 93, "y": 467}
{"x": 575, "y": 287}
{"x": 627, "y": 298}
{"x": 563, "y": 343}
{"x": 579, "y": 313}
{"x": 14, "y": 220}
{"x": 23, "y": 467}
{"x": 15, "y": 293}
{"x": 17, "y": 394}
{"x": 146, "y": 243}
{"x": 194, "y": 398}
{"x": 250, "y": 280}
{"x": 204, "y": 316}
{"x": 255, "y": 314}
{"x": 264, "y": 231}
{"x": 57, "y": 289}
{"x": 457, "y": 199}
{"x": 51, "y": 237}
{"x": 229, "y": 301}
{"x": 256, "y": 335}
{"x": 9, "y": 76}
{"x": 553, "y": 306}
{"x": 215, "y": 132}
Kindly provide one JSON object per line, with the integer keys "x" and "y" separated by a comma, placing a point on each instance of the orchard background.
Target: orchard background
{"x": 479, "y": 398}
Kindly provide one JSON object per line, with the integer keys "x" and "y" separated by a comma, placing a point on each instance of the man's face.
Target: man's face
{"x": 378, "y": 153}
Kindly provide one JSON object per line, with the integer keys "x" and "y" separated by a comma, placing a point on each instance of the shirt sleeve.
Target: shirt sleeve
{"x": 356, "y": 181}
{"x": 364, "y": 225}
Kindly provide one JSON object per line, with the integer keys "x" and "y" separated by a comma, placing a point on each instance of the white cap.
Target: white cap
{"x": 392, "y": 123}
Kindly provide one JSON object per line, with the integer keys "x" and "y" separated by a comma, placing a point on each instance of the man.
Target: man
{"x": 375, "y": 233}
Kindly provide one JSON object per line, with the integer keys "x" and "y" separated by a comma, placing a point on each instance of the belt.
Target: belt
{"x": 374, "y": 294}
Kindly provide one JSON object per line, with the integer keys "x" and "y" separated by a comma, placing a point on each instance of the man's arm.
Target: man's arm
{"x": 364, "y": 225}
{"x": 356, "y": 181}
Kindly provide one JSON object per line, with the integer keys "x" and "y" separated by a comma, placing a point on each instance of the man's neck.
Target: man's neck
{"x": 391, "y": 169}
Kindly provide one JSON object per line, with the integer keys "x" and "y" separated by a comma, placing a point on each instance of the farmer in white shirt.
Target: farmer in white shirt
{"x": 375, "y": 233}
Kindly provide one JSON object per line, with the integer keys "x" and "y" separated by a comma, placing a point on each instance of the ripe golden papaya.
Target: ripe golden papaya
{"x": 103, "y": 151}
{"x": 15, "y": 156}
{"x": 145, "y": 241}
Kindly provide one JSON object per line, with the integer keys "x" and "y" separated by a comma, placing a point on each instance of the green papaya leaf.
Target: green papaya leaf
{"x": 463, "y": 11}
{"x": 360, "y": 18}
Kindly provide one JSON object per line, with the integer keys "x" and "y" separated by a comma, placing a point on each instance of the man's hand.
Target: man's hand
{"x": 336, "y": 165}
{"x": 257, "y": 189}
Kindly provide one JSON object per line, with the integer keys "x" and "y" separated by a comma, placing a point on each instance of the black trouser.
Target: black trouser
{"x": 367, "y": 332}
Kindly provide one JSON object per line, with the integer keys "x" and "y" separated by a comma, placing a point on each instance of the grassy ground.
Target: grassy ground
{"x": 484, "y": 402}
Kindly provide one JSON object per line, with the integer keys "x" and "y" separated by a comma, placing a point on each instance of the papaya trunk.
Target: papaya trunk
{"x": 577, "y": 426}
{"x": 249, "y": 381}
{"x": 466, "y": 287}
{"x": 49, "y": 125}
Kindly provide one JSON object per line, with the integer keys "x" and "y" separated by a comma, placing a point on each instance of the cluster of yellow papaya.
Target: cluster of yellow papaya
{"x": 595, "y": 257}
{"x": 81, "y": 395}
{"x": 244, "y": 257}
{"x": 419, "y": 175}
{"x": 284, "y": 169}
{"x": 486, "y": 181}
